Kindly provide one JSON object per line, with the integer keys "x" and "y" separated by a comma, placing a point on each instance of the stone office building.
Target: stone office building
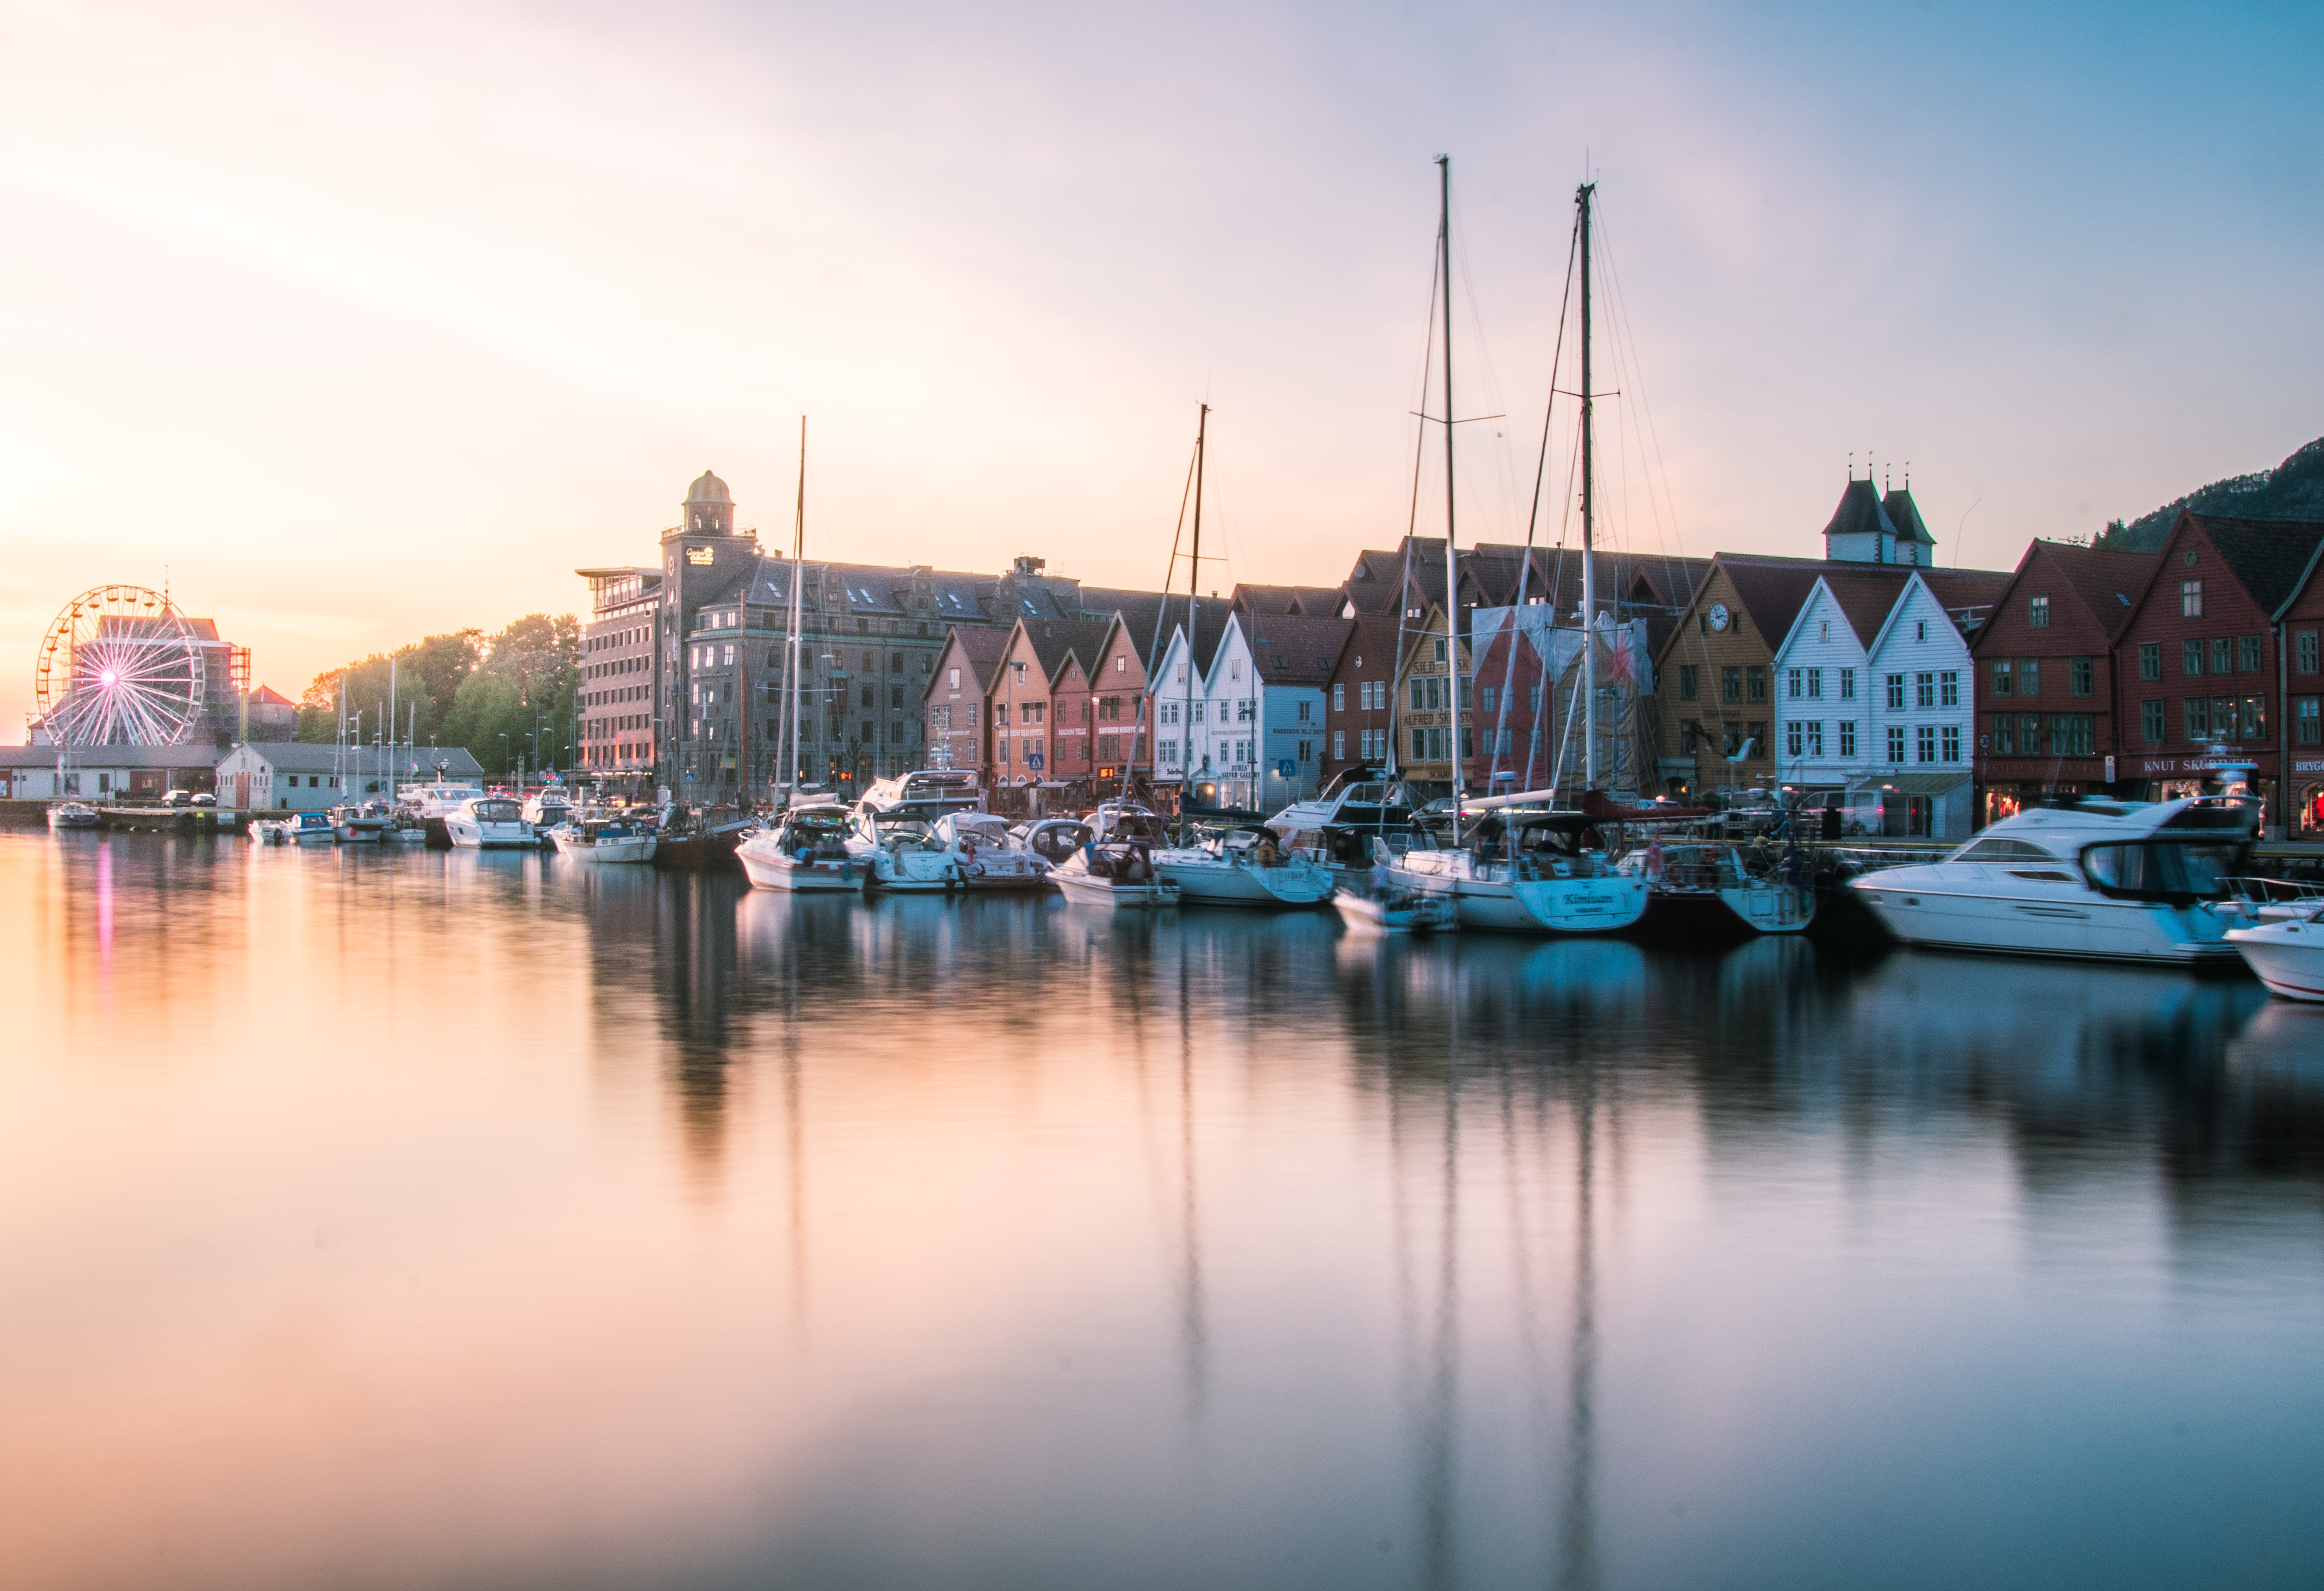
{"x": 684, "y": 663}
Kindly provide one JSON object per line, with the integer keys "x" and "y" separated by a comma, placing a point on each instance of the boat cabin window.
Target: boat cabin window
{"x": 497, "y": 812}
{"x": 1055, "y": 841}
{"x": 2163, "y": 870}
{"x": 2000, "y": 848}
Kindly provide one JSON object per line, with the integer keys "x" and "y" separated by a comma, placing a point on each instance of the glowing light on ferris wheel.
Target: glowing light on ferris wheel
{"x": 120, "y": 666}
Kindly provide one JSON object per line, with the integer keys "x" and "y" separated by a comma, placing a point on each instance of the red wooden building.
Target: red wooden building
{"x": 2204, "y": 661}
{"x": 2046, "y": 688}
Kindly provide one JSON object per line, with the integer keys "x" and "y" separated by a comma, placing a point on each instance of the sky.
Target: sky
{"x": 360, "y": 323}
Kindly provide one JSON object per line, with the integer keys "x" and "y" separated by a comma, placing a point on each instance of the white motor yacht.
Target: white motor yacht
{"x": 2129, "y": 881}
{"x": 982, "y": 848}
{"x": 1337, "y": 825}
{"x": 1115, "y": 873}
{"x": 490, "y": 823}
{"x": 595, "y": 835}
{"x": 1244, "y": 866}
{"x": 1527, "y": 872}
{"x": 548, "y": 807}
{"x": 805, "y": 853}
{"x": 893, "y": 834}
{"x": 2287, "y": 956}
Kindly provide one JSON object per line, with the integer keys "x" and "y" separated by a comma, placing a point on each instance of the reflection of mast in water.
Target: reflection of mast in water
{"x": 1439, "y": 1475}
{"x": 1193, "y": 1338}
{"x": 1578, "y": 1566}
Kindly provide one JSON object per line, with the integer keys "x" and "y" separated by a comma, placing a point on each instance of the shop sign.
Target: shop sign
{"x": 2169, "y": 765}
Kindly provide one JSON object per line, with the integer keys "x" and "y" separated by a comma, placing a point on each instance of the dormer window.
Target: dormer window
{"x": 2037, "y": 611}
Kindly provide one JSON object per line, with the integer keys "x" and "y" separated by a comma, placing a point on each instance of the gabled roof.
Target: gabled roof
{"x": 1772, "y": 590}
{"x": 1969, "y": 595}
{"x": 1373, "y": 636}
{"x": 981, "y": 649}
{"x": 2108, "y": 583}
{"x": 1860, "y": 513}
{"x": 268, "y": 696}
{"x": 1296, "y": 650}
{"x": 1866, "y": 597}
{"x": 2268, "y": 557}
{"x": 1905, "y": 515}
{"x": 1138, "y": 622}
{"x": 1053, "y": 642}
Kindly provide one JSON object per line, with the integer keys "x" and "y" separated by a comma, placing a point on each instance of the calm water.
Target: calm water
{"x": 382, "y": 1221}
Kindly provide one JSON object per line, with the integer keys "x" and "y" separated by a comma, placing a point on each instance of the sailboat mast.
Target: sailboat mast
{"x": 1583, "y": 196}
{"x": 1451, "y": 558}
{"x": 1194, "y": 599}
{"x": 799, "y": 564}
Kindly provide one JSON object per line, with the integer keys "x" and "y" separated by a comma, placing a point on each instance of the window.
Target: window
{"x": 2029, "y": 677}
{"x": 1420, "y": 745}
{"x": 1924, "y": 690}
{"x": 1949, "y": 688}
{"x": 2072, "y": 734}
{"x": 2190, "y": 599}
{"x": 1815, "y": 684}
{"x": 1492, "y": 698}
{"x": 1235, "y": 669}
{"x": 1690, "y": 736}
{"x": 1731, "y": 685}
{"x": 1925, "y": 743}
{"x": 1306, "y": 711}
{"x": 1438, "y": 653}
{"x": 867, "y": 695}
{"x": 1920, "y": 629}
{"x": 2005, "y": 735}
{"x": 971, "y": 715}
{"x": 1797, "y": 682}
{"x": 2037, "y": 613}
{"x": 1199, "y": 707}
{"x": 1896, "y": 742}
{"x": 1339, "y": 744}
{"x": 2191, "y": 658}
{"x": 2254, "y": 721}
{"x": 2223, "y": 655}
{"x": 1533, "y": 696}
{"x": 1847, "y": 685}
{"x": 1000, "y": 715}
{"x": 1794, "y": 738}
{"x": 2079, "y": 676}
{"x": 2150, "y": 722}
{"x": 895, "y": 698}
{"x": 1756, "y": 678}
{"x": 2199, "y": 717}
{"x": 2303, "y": 651}
{"x": 1418, "y": 695}
{"x": 1815, "y": 739}
{"x": 1848, "y": 736}
{"x": 1897, "y": 696}
{"x": 1170, "y": 752}
{"x": 2307, "y": 730}
{"x": 1953, "y": 742}
{"x": 2248, "y": 654}
{"x": 2001, "y": 676}
{"x": 1686, "y": 683}
{"x": 952, "y": 679}
{"x": 1339, "y": 701}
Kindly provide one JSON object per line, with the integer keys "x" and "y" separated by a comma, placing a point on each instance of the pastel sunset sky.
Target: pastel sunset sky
{"x": 371, "y": 321}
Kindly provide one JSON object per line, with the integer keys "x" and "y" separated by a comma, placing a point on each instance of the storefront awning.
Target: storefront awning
{"x": 1923, "y": 784}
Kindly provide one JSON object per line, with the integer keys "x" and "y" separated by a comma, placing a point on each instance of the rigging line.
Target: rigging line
{"x": 1492, "y": 379}
{"x": 1420, "y": 453}
{"x": 1533, "y": 518}
{"x": 1654, "y": 432}
{"x": 1162, "y": 609}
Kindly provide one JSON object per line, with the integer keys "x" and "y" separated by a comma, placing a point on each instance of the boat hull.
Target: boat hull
{"x": 469, "y": 836}
{"x": 1605, "y": 902}
{"x": 2287, "y": 956}
{"x": 625, "y": 848}
{"x": 2069, "y": 923}
{"x": 1085, "y": 890}
{"x": 1212, "y": 882}
{"x": 768, "y": 868}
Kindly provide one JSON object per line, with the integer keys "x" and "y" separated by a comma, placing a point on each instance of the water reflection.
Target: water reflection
{"x": 635, "y": 1228}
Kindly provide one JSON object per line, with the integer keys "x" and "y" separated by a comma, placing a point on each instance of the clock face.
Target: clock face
{"x": 1718, "y": 615}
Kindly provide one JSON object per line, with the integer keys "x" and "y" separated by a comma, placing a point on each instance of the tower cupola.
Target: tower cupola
{"x": 709, "y": 506}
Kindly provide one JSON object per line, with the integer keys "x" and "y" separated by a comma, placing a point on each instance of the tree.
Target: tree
{"x": 524, "y": 683}
{"x": 427, "y": 677}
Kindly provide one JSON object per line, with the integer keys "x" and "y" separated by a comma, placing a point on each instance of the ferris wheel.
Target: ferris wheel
{"x": 120, "y": 666}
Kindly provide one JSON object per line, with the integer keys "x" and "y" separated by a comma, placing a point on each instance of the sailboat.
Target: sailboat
{"x": 805, "y": 851}
{"x": 1529, "y": 872}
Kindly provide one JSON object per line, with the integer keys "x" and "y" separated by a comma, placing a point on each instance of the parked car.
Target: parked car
{"x": 179, "y": 798}
{"x": 204, "y": 798}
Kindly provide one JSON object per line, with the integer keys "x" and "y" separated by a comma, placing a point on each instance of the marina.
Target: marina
{"x": 1545, "y": 1194}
